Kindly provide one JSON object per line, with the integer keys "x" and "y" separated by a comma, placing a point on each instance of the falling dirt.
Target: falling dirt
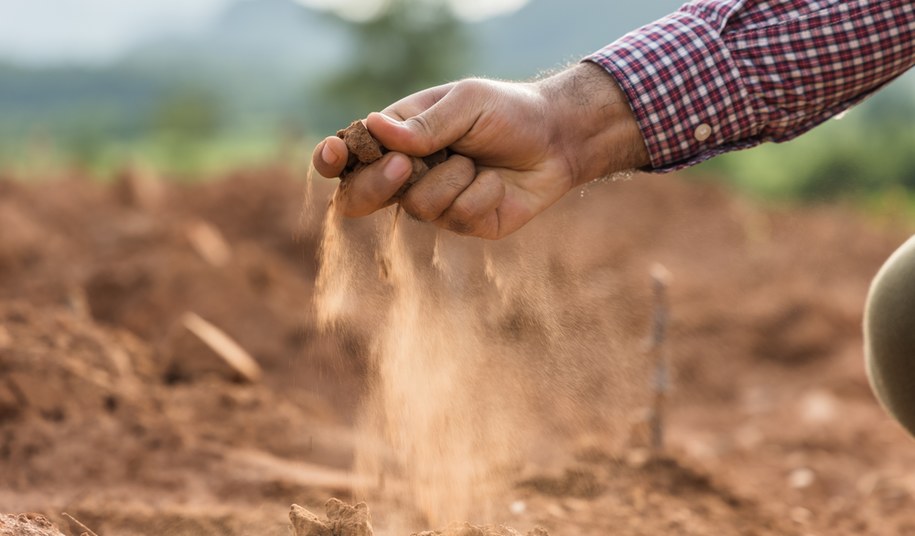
{"x": 771, "y": 428}
{"x": 474, "y": 355}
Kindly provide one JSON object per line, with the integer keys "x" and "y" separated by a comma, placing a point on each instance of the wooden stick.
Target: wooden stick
{"x": 80, "y": 525}
{"x": 661, "y": 385}
{"x": 224, "y": 346}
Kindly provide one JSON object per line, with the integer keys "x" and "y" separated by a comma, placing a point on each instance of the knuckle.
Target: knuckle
{"x": 459, "y": 227}
{"x": 471, "y": 86}
{"x": 421, "y": 122}
{"x": 461, "y": 216}
{"x": 462, "y": 163}
{"x": 419, "y": 205}
{"x": 426, "y": 129}
{"x": 454, "y": 183}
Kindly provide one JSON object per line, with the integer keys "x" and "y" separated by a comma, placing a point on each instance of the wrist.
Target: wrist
{"x": 592, "y": 123}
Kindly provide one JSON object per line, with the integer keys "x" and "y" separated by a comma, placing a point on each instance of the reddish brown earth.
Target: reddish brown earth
{"x": 111, "y": 412}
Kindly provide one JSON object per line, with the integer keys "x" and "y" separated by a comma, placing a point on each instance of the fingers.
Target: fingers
{"x": 454, "y": 197}
{"x": 418, "y": 102}
{"x": 447, "y": 118}
{"x": 330, "y": 156}
{"x": 431, "y": 196}
{"x": 451, "y": 195}
{"x": 372, "y": 187}
{"x": 474, "y": 212}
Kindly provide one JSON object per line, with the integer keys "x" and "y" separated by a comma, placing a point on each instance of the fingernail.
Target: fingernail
{"x": 328, "y": 155}
{"x": 397, "y": 168}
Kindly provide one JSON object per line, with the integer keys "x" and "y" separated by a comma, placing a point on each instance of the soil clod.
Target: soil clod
{"x": 27, "y": 525}
{"x": 304, "y": 523}
{"x": 341, "y": 520}
{"x": 466, "y": 529}
{"x": 365, "y": 149}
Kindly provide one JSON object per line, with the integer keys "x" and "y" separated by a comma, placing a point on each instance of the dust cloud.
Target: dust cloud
{"x": 485, "y": 358}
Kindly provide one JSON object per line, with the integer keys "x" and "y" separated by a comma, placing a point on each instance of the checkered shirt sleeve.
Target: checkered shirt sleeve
{"x": 721, "y": 75}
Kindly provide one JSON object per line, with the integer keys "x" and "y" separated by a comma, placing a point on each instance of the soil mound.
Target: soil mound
{"x": 105, "y": 413}
{"x": 27, "y": 525}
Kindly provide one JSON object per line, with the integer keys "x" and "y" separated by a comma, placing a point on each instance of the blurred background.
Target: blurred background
{"x": 130, "y": 284}
{"x": 207, "y": 85}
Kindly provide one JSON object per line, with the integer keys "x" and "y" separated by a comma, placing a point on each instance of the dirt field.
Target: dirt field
{"x": 114, "y": 410}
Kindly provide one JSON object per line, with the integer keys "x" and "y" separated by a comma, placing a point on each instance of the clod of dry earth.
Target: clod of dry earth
{"x": 466, "y": 529}
{"x": 342, "y": 520}
{"x": 365, "y": 149}
{"x": 27, "y": 525}
{"x": 345, "y": 520}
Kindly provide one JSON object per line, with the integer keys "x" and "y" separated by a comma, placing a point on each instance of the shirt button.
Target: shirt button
{"x": 703, "y": 132}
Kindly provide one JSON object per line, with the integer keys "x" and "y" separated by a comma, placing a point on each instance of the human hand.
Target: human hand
{"x": 518, "y": 148}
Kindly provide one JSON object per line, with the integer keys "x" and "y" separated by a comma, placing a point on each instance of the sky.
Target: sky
{"x": 96, "y": 31}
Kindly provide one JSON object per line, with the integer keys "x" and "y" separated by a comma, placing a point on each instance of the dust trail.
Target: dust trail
{"x": 477, "y": 353}
{"x": 334, "y": 278}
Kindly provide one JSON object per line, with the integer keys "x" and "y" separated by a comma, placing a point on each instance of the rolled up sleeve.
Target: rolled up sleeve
{"x": 719, "y": 75}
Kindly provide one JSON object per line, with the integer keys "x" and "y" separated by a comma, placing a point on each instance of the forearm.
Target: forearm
{"x": 592, "y": 123}
{"x": 721, "y": 75}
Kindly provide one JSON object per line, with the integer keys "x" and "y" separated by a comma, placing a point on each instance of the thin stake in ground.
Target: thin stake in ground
{"x": 86, "y": 530}
{"x": 660, "y": 278}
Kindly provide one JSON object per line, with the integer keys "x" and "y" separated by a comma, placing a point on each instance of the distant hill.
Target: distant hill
{"x": 263, "y": 60}
{"x": 280, "y": 39}
{"x": 258, "y": 56}
{"x": 546, "y": 34}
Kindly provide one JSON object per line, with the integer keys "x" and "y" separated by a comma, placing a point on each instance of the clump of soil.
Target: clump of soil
{"x": 345, "y": 520}
{"x": 466, "y": 529}
{"x": 365, "y": 149}
{"x": 27, "y": 525}
{"x": 341, "y": 520}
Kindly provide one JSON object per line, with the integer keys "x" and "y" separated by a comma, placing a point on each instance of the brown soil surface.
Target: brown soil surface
{"x": 27, "y": 525}
{"x": 105, "y": 413}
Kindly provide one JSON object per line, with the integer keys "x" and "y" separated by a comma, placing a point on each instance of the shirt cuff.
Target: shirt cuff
{"x": 684, "y": 89}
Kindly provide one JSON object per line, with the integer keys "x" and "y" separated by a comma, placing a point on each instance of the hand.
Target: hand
{"x": 518, "y": 148}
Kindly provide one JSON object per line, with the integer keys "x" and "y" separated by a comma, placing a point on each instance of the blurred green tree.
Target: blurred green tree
{"x": 872, "y": 150}
{"x": 183, "y": 122}
{"x": 408, "y": 46}
{"x": 188, "y": 113}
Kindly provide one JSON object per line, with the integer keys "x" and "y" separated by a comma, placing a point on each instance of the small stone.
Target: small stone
{"x": 801, "y": 478}
{"x": 819, "y": 407}
{"x": 346, "y": 520}
{"x": 304, "y": 523}
{"x": 800, "y": 515}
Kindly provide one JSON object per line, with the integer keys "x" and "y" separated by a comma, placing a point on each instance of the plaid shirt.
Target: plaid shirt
{"x": 721, "y": 75}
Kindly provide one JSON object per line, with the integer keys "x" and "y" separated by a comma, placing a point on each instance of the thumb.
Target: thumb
{"x": 435, "y": 128}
